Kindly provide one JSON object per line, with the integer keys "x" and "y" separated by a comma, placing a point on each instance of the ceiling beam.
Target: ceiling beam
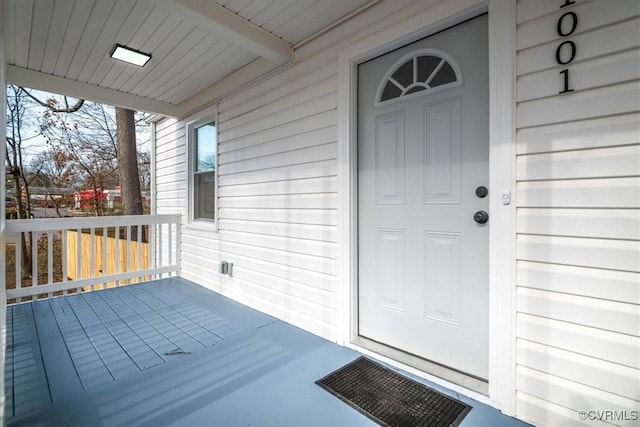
{"x": 50, "y": 83}
{"x": 237, "y": 29}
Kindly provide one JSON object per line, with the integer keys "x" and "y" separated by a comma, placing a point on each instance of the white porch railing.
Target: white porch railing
{"x": 83, "y": 254}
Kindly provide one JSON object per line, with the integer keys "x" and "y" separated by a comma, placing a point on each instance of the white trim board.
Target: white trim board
{"x": 50, "y": 83}
{"x": 3, "y": 295}
{"x": 502, "y": 174}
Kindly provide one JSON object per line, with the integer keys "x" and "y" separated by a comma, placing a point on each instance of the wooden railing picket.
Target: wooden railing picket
{"x": 159, "y": 258}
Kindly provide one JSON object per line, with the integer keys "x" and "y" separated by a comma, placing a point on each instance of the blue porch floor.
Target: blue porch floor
{"x": 170, "y": 352}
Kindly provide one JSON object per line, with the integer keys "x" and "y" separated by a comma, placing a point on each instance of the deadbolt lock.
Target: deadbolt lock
{"x": 482, "y": 192}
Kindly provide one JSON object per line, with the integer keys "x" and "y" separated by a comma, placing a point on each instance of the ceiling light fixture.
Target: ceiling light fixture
{"x": 129, "y": 55}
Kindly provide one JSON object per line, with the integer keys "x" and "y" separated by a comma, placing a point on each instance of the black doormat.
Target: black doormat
{"x": 391, "y": 399}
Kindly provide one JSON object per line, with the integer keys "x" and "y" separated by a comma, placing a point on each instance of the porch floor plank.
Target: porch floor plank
{"x": 186, "y": 316}
{"x": 135, "y": 347}
{"x": 61, "y": 372}
{"x": 30, "y": 386}
{"x": 8, "y": 363}
{"x": 115, "y": 358}
{"x": 140, "y": 327}
{"x": 109, "y": 358}
{"x": 92, "y": 370}
{"x": 172, "y": 335}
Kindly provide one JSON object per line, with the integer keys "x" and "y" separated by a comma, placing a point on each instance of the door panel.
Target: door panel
{"x": 442, "y": 152}
{"x": 442, "y": 267}
{"x": 390, "y": 158}
{"x": 423, "y": 149}
{"x": 390, "y": 255}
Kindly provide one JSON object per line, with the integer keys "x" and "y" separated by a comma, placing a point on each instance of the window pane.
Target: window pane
{"x": 404, "y": 74}
{"x": 444, "y": 76}
{"x": 415, "y": 89}
{"x": 205, "y": 144}
{"x": 426, "y": 65}
{"x": 390, "y": 91}
{"x": 204, "y": 193}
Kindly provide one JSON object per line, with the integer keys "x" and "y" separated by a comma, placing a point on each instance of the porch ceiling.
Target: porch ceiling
{"x": 200, "y": 48}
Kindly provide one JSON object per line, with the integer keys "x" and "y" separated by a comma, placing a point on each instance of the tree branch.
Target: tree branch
{"x": 51, "y": 104}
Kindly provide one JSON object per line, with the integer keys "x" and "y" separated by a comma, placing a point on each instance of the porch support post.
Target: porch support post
{"x": 3, "y": 293}
{"x": 502, "y": 242}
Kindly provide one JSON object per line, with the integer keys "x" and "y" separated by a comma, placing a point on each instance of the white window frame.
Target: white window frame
{"x": 205, "y": 117}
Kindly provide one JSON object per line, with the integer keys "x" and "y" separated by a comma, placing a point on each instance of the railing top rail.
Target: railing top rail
{"x": 48, "y": 224}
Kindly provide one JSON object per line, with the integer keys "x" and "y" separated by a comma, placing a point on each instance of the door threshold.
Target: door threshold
{"x": 468, "y": 382}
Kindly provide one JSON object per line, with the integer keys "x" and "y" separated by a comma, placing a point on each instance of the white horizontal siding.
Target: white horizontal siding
{"x": 170, "y": 176}
{"x": 594, "y": 223}
{"x": 316, "y": 69}
{"x": 300, "y": 156}
{"x": 318, "y": 120}
{"x": 616, "y": 347}
{"x": 583, "y": 193}
{"x": 277, "y": 176}
{"x": 592, "y": 133}
{"x": 287, "y": 216}
{"x": 578, "y": 214}
{"x": 586, "y": 281}
{"x": 292, "y": 114}
{"x": 563, "y": 392}
{"x": 310, "y": 139}
{"x": 312, "y": 169}
{"x": 599, "y": 42}
{"x": 546, "y": 412}
{"x": 603, "y": 101}
{"x": 591, "y": 15}
{"x": 278, "y": 199}
{"x": 586, "y": 252}
{"x": 278, "y": 258}
{"x": 293, "y": 186}
{"x": 603, "y": 314}
{"x": 599, "y": 71}
{"x": 298, "y": 231}
{"x": 594, "y": 163}
{"x": 600, "y": 374}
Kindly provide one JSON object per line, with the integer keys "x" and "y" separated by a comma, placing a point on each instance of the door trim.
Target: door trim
{"x": 502, "y": 31}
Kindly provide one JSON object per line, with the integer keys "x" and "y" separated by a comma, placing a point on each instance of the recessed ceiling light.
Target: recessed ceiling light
{"x": 129, "y": 55}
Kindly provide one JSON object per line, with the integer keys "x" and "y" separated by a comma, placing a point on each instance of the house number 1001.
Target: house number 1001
{"x": 566, "y": 51}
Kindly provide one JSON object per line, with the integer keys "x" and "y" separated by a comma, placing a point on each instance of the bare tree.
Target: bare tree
{"x": 101, "y": 142}
{"x": 93, "y": 136}
{"x": 15, "y": 121}
{"x": 56, "y": 170}
{"x": 88, "y": 139}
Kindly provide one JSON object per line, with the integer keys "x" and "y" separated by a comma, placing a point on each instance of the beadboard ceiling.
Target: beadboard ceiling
{"x": 64, "y": 45}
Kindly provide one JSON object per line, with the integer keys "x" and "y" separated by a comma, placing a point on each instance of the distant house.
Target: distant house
{"x": 44, "y": 193}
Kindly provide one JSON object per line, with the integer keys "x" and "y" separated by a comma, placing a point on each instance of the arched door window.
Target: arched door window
{"x": 420, "y": 72}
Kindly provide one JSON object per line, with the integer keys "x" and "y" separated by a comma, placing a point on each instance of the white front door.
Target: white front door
{"x": 423, "y": 153}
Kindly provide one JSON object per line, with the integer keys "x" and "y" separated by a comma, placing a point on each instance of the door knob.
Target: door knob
{"x": 481, "y": 217}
